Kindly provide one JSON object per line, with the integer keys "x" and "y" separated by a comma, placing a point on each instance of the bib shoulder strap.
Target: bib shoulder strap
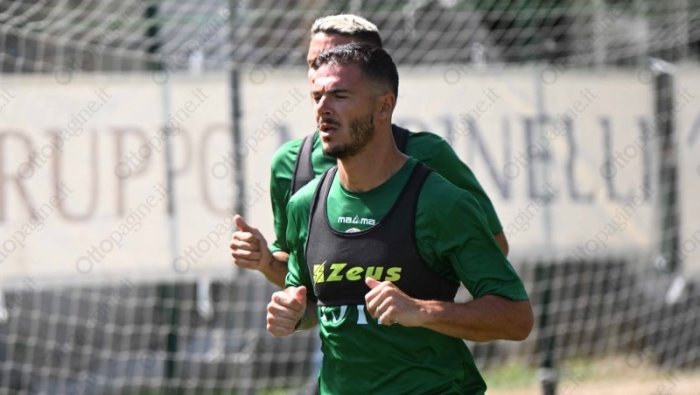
{"x": 303, "y": 168}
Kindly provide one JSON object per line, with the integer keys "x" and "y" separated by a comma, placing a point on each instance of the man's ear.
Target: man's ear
{"x": 385, "y": 105}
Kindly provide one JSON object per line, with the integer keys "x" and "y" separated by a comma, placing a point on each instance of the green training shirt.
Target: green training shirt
{"x": 428, "y": 148}
{"x": 361, "y": 356}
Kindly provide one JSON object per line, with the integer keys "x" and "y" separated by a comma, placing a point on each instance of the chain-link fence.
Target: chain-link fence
{"x": 636, "y": 298}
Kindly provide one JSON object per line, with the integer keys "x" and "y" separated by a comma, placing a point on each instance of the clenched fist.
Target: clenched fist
{"x": 285, "y": 310}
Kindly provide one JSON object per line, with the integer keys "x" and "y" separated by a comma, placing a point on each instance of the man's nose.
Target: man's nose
{"x": 322, "y": 106}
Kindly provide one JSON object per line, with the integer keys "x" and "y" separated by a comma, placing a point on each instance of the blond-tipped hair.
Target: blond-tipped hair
{"x": 349, "y": 25}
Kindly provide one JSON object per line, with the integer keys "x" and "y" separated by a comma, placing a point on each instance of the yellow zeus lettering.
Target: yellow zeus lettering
{"x": 340, "y": 271}
{"x": 318, "y": 273}
{"x": 393, "y": 274}
{"x": 335, "y": 275}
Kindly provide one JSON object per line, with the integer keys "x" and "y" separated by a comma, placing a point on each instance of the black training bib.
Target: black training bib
{"x": 339, "y": 262}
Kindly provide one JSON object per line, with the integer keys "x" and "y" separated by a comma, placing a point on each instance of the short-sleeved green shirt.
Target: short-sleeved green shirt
{"x": 428, "y": 148}
{"x": 361, "y": 356}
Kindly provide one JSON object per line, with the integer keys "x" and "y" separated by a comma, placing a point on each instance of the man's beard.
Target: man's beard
{"x": 361, "y": 132}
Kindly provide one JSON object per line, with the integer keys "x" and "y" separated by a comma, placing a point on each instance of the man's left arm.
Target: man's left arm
{"x": 489, "y": 317}
{"x": 462, "y": 251}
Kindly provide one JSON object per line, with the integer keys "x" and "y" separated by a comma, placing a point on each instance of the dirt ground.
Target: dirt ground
{"x": 610, "y": 377}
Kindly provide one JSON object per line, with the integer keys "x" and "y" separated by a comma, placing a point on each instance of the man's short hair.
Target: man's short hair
{"x": 356, "y": 27}
{"x": 374, "y": 62}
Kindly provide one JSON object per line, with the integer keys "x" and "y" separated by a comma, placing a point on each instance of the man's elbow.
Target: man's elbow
{"x": 523, "y": 321}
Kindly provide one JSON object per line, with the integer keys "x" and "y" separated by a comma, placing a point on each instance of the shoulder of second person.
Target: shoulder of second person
{"x": 442, "y": 191}
{"x": 305, "y": 194}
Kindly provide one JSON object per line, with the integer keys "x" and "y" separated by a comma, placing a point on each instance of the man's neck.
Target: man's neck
{"x": 373, "y": 165}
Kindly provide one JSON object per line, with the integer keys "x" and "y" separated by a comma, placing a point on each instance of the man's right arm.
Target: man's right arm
{"x": 289, "y": 310}
{"x": 248, "y": 248}
{"x": 277, "y": 270}
{"x": 292, "y": 309}
{"x": 249, "y": 251}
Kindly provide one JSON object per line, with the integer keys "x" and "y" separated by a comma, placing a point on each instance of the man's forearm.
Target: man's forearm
{"x": 309, "y": 319}
{"x": 487, "y": 318}
{"x": 276, "y": 270}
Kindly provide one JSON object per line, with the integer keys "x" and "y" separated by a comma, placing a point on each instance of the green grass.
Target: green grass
{"x": 269, "y": 391}
{"x": 512, "y": 374}
{"x": 519, "y": 374}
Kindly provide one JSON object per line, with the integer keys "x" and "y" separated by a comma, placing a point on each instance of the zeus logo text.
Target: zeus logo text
{"x": 341, "y": 271}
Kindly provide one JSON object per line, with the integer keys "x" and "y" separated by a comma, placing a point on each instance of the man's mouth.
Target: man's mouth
{"x": 328, "y": 127}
